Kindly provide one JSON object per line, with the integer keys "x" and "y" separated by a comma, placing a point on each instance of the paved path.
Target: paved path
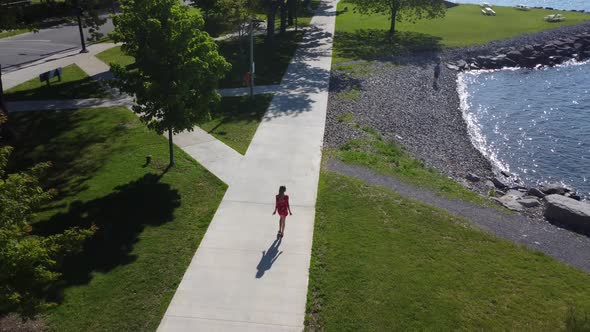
{"x": 561, "y": 244}
{"x": 240, "y": 277}
{"x": 29, "y": 47}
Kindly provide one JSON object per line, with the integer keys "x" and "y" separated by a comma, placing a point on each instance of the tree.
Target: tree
{"x": 28, "y": 263}
{"x": 400, "y": 10}
{"x": 207, "y": 7}
{"x": 270, "y": 7}
{"x": 178, "y": 65}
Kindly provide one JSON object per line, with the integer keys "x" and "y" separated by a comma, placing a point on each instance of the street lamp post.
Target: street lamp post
{"x": 252, "y": 64}
{"x": 79, "y": 14}
{"x": 1, "y": 87}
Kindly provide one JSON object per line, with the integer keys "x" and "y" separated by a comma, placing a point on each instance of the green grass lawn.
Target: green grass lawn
{"x": 235, "y": 120}
{"x": 361, "y": 37}
{"x": 10, "y": 33}
{"x": 272, "y": 59}
{"x": 74, "y": 84}
{"x": 116, "y": 56}
{"x": 381, "y": 262}
{"x": 150, "y": 219}
{"x": 388, "y": 158}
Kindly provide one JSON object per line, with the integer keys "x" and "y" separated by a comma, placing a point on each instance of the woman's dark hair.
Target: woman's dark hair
{"x": 282, "y": 189}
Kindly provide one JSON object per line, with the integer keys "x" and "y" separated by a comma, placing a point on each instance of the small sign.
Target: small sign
{"x": 46, "y": 76}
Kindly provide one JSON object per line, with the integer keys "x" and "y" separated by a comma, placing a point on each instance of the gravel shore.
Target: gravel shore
{"x": 399, "y": 98}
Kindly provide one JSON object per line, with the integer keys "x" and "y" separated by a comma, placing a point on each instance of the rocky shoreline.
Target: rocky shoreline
{"x": 405, "y": 105}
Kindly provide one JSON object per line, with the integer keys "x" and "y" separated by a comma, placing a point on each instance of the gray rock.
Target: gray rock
{"x": 529, "y": 202}
{"x": 490, "y": 184}
{"x": 462, "y": 64}
{"x": 568, "y": 212}
{"x": 573, "y": 195}
{"x": 498, "y": 183}
{"x": 452, "y": 66}
{"x": 515, "y": 193}
{"x": 510, "y": 203}
{"x": 535, "y": 192}
{"x": 527, "y": 50}
{"x": 473, "y": 177}
{"x": 514, "y": 55}
{"x": 506, "y": 174}
{"x": 553, "y": 188}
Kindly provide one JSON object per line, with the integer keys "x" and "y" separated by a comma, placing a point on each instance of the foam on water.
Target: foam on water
{"x": 532, "y": 122}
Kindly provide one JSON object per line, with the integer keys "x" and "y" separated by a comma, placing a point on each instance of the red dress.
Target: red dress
{"x": 283, "y": 206}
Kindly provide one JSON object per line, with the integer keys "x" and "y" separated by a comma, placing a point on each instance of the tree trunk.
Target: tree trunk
{"x": 291, "y": 11}
{"x": 270, "y": 22}
{"x": 394, "y": 9}
{"x": 171, "y": 147}
{"x": 283, "y": 17}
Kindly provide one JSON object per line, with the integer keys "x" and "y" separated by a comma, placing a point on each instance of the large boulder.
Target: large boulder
{"x": 536, "y": 192}
{"x": 514, "y": 56}
{"x": 498, "y": 183}
{"x": 554, "y": 188}
{"x": 510, "y": 202}
{"x": 529, "y": 202}
{"x": 569, "y": 212}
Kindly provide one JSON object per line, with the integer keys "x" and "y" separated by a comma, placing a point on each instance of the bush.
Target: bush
{"x": 28, "y": 263}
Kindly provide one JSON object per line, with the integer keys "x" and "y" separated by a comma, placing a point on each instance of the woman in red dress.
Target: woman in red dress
{"x": 282, "y": 205}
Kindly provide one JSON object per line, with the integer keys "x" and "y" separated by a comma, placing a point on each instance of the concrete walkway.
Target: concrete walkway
{"x": 83, "y": 60}
{"x": 241, "y": 278}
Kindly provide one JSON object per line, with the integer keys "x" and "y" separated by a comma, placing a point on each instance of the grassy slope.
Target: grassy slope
{"x": 462, "y": 26}
{"x": 388, "y": 158}
{"x": 150, "y": 222}
{"x": 74, "y": 84}
{"x": 236, "y": 119}
{"x": 382, "y": 262}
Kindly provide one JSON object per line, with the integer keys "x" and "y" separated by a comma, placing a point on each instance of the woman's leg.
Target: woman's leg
{"x": 282, "y": 225}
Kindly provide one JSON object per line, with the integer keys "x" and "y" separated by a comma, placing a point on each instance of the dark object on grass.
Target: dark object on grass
{"x": 47, "y": 76}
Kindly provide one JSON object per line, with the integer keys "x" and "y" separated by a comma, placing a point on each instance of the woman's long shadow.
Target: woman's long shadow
{"x": 268, "y": 258}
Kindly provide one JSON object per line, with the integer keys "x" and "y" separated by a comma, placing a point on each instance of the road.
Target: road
{"x": 21, "y": 49}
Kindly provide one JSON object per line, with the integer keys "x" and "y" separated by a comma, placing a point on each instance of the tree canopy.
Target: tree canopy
{"x": 177, "y": 64}
{"x": 402, "y": 10}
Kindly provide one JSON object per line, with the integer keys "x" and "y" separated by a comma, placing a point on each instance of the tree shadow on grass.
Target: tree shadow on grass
{"x": 120, "y": 218}
{"x": 373, "y": 44}
{"x": 272, "y": 58}
{"x": 239, "y": 110}
{"x": 76, "y": 149}
{"x": 79, "y": 89}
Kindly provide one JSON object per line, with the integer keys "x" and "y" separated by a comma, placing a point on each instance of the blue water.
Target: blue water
{"x": 534, "y": 123}
{"x": 557, "y": 4}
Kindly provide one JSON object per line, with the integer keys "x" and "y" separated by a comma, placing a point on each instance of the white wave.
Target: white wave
{"x": 473, "y": 127}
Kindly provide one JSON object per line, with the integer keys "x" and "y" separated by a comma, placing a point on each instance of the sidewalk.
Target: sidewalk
{"x": 240, "y": 277}
{"x": 83, "y": 60}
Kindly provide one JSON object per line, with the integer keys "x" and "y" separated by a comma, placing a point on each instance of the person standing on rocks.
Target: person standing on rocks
{"x": 436, "y": 73}
{"x": 282, "y": 205}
